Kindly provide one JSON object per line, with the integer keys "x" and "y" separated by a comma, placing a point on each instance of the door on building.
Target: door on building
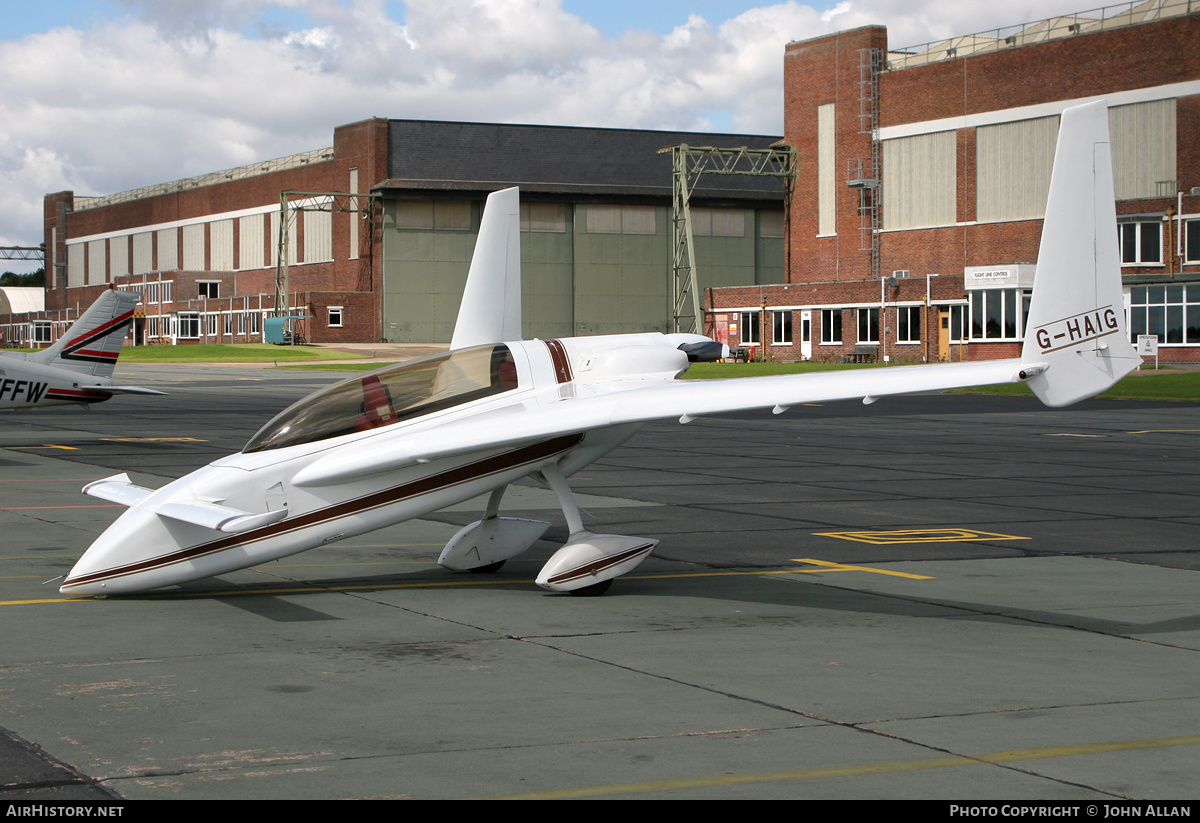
{"x": 806, "y": 335}
{"x": 944, "y": 334}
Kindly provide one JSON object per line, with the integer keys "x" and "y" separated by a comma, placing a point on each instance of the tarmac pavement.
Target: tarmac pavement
{"x": 933, "y": 597}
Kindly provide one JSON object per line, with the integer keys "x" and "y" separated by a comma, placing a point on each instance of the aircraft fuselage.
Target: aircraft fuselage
{"x": 149, "y": 547}
{"x": 27, "y": 385}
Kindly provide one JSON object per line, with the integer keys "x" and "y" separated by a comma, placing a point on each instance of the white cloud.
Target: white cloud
{"x": 182, "y": 87}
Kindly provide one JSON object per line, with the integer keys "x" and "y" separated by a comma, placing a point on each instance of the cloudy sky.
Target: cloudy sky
{"x": 100, "y": 96}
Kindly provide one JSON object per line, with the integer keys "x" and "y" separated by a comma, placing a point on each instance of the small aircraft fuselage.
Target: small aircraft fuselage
{"x": 25, "y": 385}
{"x": 349, "y": 459}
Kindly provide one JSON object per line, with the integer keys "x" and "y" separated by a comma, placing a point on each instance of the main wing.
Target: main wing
{"x": 639, "y": 403}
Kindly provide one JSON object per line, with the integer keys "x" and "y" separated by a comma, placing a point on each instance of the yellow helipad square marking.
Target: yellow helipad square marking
{"x": 919, "y": 536}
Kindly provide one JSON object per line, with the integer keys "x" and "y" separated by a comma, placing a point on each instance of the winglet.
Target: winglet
{"x": 1076, "y": 322}
{"x": 490, "y": 311}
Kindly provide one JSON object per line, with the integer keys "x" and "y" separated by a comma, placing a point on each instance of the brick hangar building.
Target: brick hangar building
{"x": 916, "y": 215}
{"x": 380, "y": 228}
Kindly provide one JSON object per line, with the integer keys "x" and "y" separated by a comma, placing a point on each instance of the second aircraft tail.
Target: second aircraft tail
{"x": 93, "y": 343}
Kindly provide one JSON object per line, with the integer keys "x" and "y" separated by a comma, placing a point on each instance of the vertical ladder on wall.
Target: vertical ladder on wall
{"x": 865, "y": 173}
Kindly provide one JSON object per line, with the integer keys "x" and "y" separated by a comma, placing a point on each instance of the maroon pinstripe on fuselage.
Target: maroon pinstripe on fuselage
{"x": 426, "y": 485}
{"x": 595, "y": 567}
{"x": 562, "y": 364}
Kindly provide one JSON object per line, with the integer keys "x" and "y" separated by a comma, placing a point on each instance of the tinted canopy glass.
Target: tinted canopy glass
{"x": 390, "y": 395}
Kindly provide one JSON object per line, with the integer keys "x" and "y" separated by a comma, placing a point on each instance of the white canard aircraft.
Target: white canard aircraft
{"x": 78, "y": 368}
{"x": 416, "y": 437}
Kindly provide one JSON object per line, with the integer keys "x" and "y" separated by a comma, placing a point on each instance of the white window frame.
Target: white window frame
{"x": 1156, "y": 308}
{"x": 1012, "y": 306}
{"x": 157, "y": 291}
{"x": 188, "y": 325}
{"x": 1131, "y": 232}
{"x": 828, "y": 323}
{"x": 749, "y": 331}
{"x": 908, "y": 325}
{"x": 338, "y": 313}
{"x": 862, "y": 320}
{"x": 960, "y": 325}
{"x": 781, "y": 328}
{"x": 1191, "y": 241}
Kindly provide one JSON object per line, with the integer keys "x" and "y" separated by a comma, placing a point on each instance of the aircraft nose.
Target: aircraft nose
{"x": 122, "y": 559}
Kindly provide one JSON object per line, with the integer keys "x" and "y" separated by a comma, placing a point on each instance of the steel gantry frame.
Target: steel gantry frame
{"x": 330, "y": 201}
{"x": 22, "y": 253}
{"x": 688, "y": 163}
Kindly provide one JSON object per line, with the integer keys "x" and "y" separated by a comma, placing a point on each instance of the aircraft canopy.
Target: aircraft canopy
{"x": 390, "y": 395}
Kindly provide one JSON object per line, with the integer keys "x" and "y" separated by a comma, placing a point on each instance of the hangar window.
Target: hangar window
{"x": 335, "y": 317}
{"x": 868, "y": 325}
{"x": 621, "y": 220}
{"x": 1012, "y": 167}
{"x": 919, "y": 181}
{"x": 1170, "y": 311}
{"x": 544, "y": 217}
{"x": 391, "y": 395}
{"x": 1143, "y": 147}
{"x": 638, "y": 220}
{"x": 438, "y": 215}
{"x": 1141, "y": 243}
{"x": 719, "y": 222}
{"x": 908, "y": 324}
{"x": 42, "y": 333}
{"x": 831, "y": 327}
{"x": 770, "y": 224}
{"x": 781, "y": 328}
{"x": 208, "y": 289}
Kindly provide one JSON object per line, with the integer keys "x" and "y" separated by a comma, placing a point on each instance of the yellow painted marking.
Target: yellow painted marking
{"x": 655, "y": 786}
{"x": 883, "y": 538}
{"x": 153, "y": 439}
{"x": 44, "y": 446}
{"x": 843, "y": 567}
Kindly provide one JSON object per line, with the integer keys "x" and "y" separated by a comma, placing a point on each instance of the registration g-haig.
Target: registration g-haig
{"x": 1078, "y": 328}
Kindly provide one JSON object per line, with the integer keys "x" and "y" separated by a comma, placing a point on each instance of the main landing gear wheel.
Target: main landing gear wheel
{"x": 490, "y": 568}
{"x": 594, "y": 590}
{"x": 587, "y": 563}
